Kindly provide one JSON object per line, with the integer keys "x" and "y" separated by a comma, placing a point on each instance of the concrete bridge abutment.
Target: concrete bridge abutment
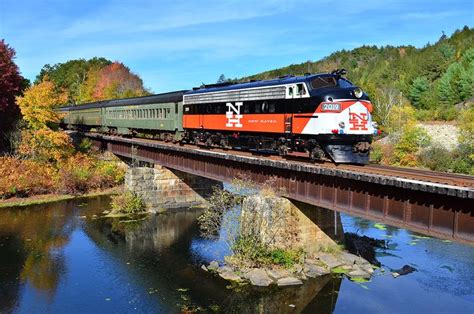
{"x": 161, "y": 188}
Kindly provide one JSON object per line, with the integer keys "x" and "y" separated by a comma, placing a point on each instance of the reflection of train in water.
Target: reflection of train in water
{"x": 324, "y": 115}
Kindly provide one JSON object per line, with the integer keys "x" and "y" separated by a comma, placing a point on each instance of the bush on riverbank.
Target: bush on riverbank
{"x": 76, "y": 175}
{"x": 252, "y": 252}
{"x": 23, "y": 178}
{"x": 128, "y": 203}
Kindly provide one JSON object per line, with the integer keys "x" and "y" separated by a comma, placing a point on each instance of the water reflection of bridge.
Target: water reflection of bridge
{"x": 161, "y": 244}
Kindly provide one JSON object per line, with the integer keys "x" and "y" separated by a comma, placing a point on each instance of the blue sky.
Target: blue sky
{"x": 180, "y": 44}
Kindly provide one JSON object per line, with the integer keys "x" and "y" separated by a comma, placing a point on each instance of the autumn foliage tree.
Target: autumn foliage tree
{"x": 38, "y": 103}
{"x": 39, "y": 141}
{"x": 11, "y": 83}
{"x": 111, "y": 82}
{"x": 71, "y": 75}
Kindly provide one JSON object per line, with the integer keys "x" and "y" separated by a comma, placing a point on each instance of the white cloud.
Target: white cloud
{"x": 139, "y": 17}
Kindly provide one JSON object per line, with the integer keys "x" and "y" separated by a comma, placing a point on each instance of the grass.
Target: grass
{"x": 339, "y": 270}
{"x": 51, "y": 198}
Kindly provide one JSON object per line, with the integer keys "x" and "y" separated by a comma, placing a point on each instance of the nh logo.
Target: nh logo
{"x": 358, "y": 121}
{"x": 233, "y": 115}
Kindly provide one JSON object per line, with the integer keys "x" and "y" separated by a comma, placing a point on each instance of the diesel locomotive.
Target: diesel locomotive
{"x": 323, "y": 115}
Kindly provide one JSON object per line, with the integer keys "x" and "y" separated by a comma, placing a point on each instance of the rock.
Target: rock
{"x": 330, "y": 260}
{"x": 225, "y": 268}
{"x": 276, "y": 274}
{"x": 351, "y": 259}
{"x": 289, "y": 281}
{"x": 314, "y": 271}
{"x": 213, "y": 265}
{"x": 358, "y": 273}
{"x": 203, "y": 267}
{"x": 259, "y": 277}
{"x": 367, "y": 268}
{"x": 297, "y": 268}
{"x": 405, "y": 270}
{"x": 230, "y": 275}
{"x": 364, "y": 246}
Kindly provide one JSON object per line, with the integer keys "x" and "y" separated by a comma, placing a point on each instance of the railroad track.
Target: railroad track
{"x": 451, "y": 179}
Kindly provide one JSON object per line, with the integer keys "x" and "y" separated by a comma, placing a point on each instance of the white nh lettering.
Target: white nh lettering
{"x": 233, "y": 115}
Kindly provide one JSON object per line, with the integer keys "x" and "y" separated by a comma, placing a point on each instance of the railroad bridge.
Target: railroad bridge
{"x": 435, "y": 204}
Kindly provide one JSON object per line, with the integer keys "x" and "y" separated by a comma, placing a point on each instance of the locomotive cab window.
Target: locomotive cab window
{"x": 257, "y": 108}
{"x": 300, "y": 89}
{"x": 272, "y": 108}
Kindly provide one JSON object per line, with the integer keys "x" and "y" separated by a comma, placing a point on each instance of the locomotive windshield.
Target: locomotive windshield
{"x": 320, "y": 82}
{"x": 344, "y": 83}
{"x": 329, "y": 81}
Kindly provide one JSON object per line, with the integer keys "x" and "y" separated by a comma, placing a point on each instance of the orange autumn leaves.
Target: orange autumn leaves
{"x": 111, "y": 82}
{"x": 45, "y": 160}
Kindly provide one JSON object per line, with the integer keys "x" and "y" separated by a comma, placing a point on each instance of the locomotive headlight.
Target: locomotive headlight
{"x": 342, "y": 125}
{"x": 358, "y": 92}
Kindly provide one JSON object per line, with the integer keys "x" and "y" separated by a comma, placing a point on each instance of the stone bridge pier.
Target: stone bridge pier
{"x": 288, "y": 224}
{"x": 162, "y": 188}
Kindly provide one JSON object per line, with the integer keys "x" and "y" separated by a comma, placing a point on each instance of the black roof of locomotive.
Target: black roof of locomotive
{"x": 289, "y": 79}
{"x": 134, "y": 101}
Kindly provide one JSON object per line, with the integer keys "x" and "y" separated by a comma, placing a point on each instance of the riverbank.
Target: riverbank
{"x": 53, "y": 198}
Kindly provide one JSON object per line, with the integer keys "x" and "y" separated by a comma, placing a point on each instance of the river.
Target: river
{"x": 65, "y": 258}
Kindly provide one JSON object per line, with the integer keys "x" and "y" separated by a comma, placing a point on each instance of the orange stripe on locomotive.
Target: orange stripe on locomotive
{"x": 269, "y": 123}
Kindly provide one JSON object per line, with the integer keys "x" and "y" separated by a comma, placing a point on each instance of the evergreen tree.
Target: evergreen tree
{"x": 418, "y": 89}
{"x": 222, "y": 79}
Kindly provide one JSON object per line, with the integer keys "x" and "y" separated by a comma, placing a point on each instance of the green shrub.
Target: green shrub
{"x": 85, "y": 145}
{"x": 412, "y": 140}
{"x": 127, "y": 203}
{"x": 377, "y": 153}
{"x": 254, "y": 253}
{"x": 286, "y": 258}
{"x": 436, "y": 158}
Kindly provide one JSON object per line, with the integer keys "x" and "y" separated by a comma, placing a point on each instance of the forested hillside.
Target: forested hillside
{"x": 433, "y": 78}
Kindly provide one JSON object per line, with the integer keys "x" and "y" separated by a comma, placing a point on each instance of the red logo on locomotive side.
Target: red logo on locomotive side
{"x": 358, "y": 121}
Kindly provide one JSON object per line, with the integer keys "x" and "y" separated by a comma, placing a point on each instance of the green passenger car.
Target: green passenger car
{"x": 160, "y": 115}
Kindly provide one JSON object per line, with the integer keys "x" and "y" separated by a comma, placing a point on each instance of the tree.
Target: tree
{"x": 71, "y": 75}
{"x": 11, "y": 85}
{"x": 38, "y": 103}
{"x": 418, "y": 89}
{"x": 111, "y": 82}
{"x": 457, "y": 84}
{"x": 384, "y": 100}
{"x": 222, "y": 79}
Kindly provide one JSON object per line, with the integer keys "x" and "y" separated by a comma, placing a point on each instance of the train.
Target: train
{"x": 323, "y": 116}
